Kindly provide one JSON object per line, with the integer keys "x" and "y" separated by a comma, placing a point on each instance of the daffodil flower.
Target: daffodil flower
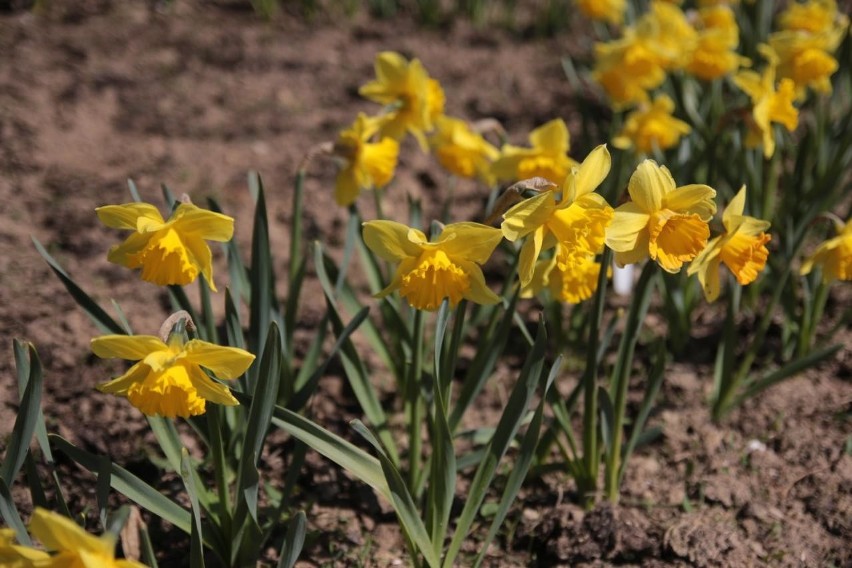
{"x": 715, "y": 54}
{"x": 70, "y": 544}
{"x": 768, "y": 104}
{"x": 814, "y": 16}
{"x": 647, "y": 127}
{"x": 578, "y": 221}
{"x": 610, "y": 11}
{"x": 413, "y": 99}
{"x": 168, "y": 379}
{"x": 571, "y": 278}
{"x": 366, "y": 165}
{"x": 806, "y": 59}
{"x": 669, "y": 224}
{"x": 547, "y": 158}
{"x": 428, "y": 272}
{"x": 834, "y": 256}
{"x": 742, "y": 248}
{"x": 168, "y": 252}
{"x": 461, "y": 151}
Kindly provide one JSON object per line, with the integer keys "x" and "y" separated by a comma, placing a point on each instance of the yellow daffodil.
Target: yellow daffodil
{"x": 769, "y": 105}
{"x": 547, "y": 158}
{"x": 428, "y": 272}
{"x": 366, "y": 165}
{"x": 571, "y": 278}
{"x": 168, "y": 252}
{"x": 627, "y": 69}
{"x": 413, "y": 99}
{"x": 577, "y": 222}
{"x": 168, "y": 379}
{"x": 813, "y": 16}
{"x": 647, "y": 127}
{"x": 463, "y": 152}
{"x": 72, "y": 547}
{"x": 663, "y": 222}
{"x": 742, "y": 248}
{"x": 834, "y": 256}
{"x": 611, "y": 11}
{"x": 18, "y": 556}
{"x": 806, "y": 59}
{"x": 715, "y": 54}
{"x": 671, "y": 37}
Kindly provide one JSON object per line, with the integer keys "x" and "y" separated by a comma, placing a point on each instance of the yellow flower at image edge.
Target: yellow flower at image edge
{"x": 168, "y": 252}
{"x": 669, "y": 224}
{"x": 168, "y": 380}
{"x": 742, "y": 249}
{"x": 428, "y": 272}
{"x": 834, "y": 256}
{"x": 72, "y": 546}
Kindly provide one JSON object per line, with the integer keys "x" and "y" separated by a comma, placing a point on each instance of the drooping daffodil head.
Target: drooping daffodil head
{"x": 167, "y": 252}
{"x": 833, "y": 256}
{"x": 667, "y": 223}
{"x": 570, "y": 277}
{"x": 547, "y": 156}
{"x": 742, "y": 248}
{"x": 652, "y": 126}
{"x": 428, "y": 272}
{"x": 364, "y": 164}
{"x": 168, "y": 379}
{"x": 462, "y": 151}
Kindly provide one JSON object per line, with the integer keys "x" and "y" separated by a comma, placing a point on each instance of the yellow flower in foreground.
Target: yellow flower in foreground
{"x": 663, "y": 222}
{"x": 168, "y": 252}
{"x": 742, "y": 248}
{"x": 768, "y": 104}
{"x": 627, "y": 69}
{"x": 366, "y": 165}
{"x": 168, "y": 380}
{"x": 834, "y": 256}
{"x": 463, "y": 152}
{"x": 611, "y": 11}
{"x": 72, "y": 546}
{"x": 548, "y": 157}
{"x": 428, "y": 272}
{"x": 413, "y": 99}
{"x": 652, "y": 126}
{"x": 570, "y": 278}
{"x": 578, "y": 221}
{"x": 18, "y": 556}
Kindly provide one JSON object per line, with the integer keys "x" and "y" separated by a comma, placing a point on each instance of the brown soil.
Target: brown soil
{"x": 194, "y": 95}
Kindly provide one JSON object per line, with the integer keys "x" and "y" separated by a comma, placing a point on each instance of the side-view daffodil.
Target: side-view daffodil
{"x": 168, "y": 252}
{"x": 807, "y": 59}
{"x": 571, "y": 278}
{"x": 365, "y": 164}
{"x": 610, "y": 11}
{"x": 742, "y": 248}
{"x": 413, "y": 99}
{"x": 650, "y": 126}
{"x": 669, "y": 224}
{"x": 577, "y": 221}
{"x": 627, "y": 68}
{"x": 461, "y": 151}
{"x": 71, "y": 546}
{"x": 547, "y": 158}
{"x": 715, "y": 53}
{"x": 833, "y": 256}
{"x": 769, "y": 105}
{"x": 168, "y": 379}
{"x": 428, "y": 272}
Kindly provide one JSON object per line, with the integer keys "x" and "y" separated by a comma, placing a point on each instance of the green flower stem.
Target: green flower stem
{"x": 817, "y": 308}
{"x": 770, "y": 187}
{"x": 207, "y": 312}
{"x": 591, "y": 454}
{"x": 296, "y": 227}
{"x": 377, "y": 199}
{"x": 621, "y": 374}
{"x": 217, "y": 451}
{"x": 452, "y": 353}
{"x": 414, "y": 406}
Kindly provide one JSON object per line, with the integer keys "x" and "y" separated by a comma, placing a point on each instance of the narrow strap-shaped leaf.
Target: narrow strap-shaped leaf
{"x": 10, "y": 515}
{"x": 522, "y": 463}
{"x": 129, "y": 485}
{"x": 23, "y": 352}
{"x": 148, "y": 555}
{"x": 102, "y": 320}
{"x": 294, "y": 540}
{"x": 401, "y": 500}
{"x": 261, "y": 276}
{"x": 309, "y": 361}
{"x": 196, "y": 548}
{"x": 25, "y": 422}
{"x": 134, "y": 193}
{"x": 353, "y": 364}
{"x": 510, "y": 420}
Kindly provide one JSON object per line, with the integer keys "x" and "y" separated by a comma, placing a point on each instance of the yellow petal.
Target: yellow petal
{"x": 551, "y": 136}
{"x": 390, "y": 240}
{"x": 208, "y": 225}
{"x": 200, "y": 257}
{"x": 628, "y": 221}
{"x": 469, "y": 241}
{"x": 676, "y": 239}
{"x": 710, "y": 280}
{"x": 57, "y": 532}
{"x": 127, "y": 253}
{"x": 130, "y": 347}
{"x": 649, "y": 184}
{"x": 693, "y": 198}
{"x": 638, "y": 253}
{"x": 734, "y": 208}
{"x": 126, "y": 216}
{"x": 528, "y": 215}
{"x": 225, "y": 362}
{"x": 346, "y": 188}
{"x": 208, "y": 389}
{"x": 120, "y": 385}
{"x": 478, "y": 292}
{"x": 529, "y": 255}
{"x": 592, "y": 171}
{"x": 379, "y": 160}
